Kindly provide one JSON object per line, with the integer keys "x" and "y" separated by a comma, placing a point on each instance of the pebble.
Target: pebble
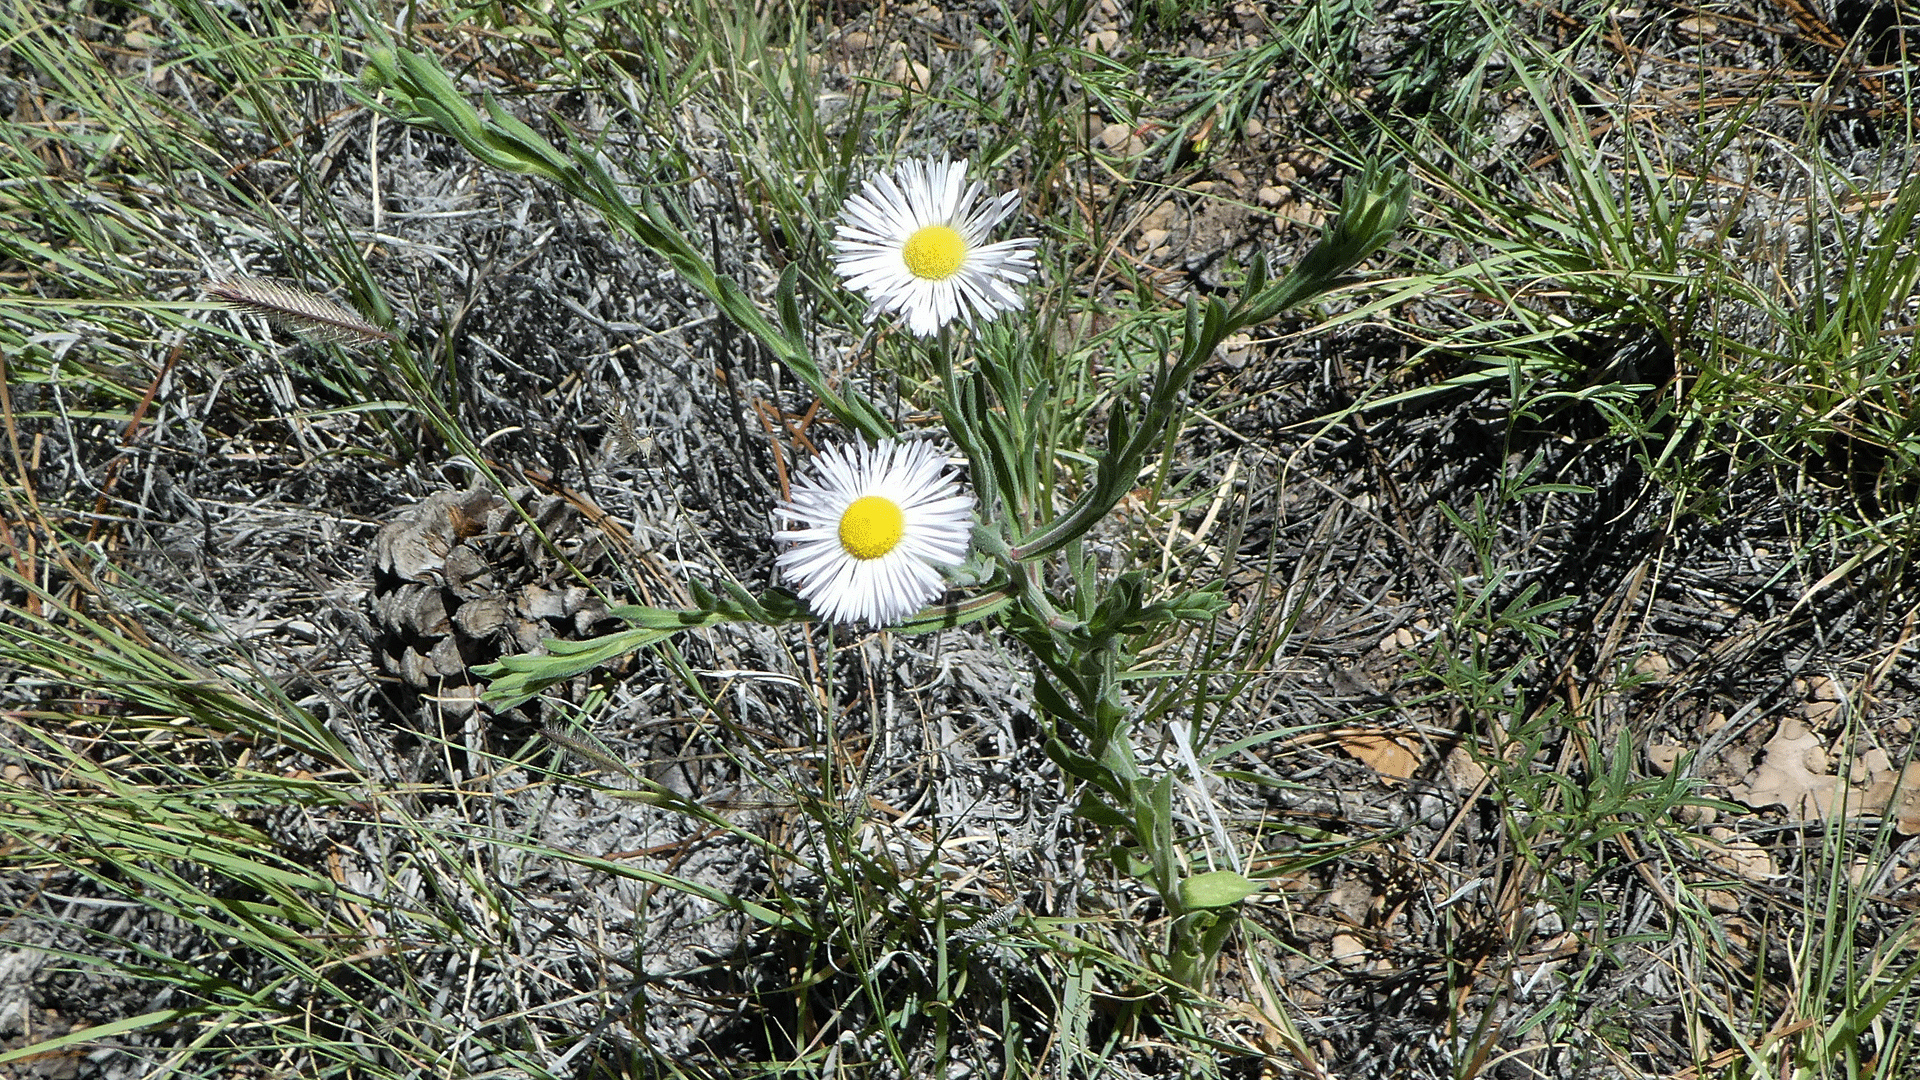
{"x": 1818, "y": 712}
{"x": 1696, "y": 815}
{"x": 1120, "y": 139}
{"x": 1664, "y": 756}
{"x": 1273, "y": 196}
{"x": 1699, "y": 28}
{"x": 907, "y": 75}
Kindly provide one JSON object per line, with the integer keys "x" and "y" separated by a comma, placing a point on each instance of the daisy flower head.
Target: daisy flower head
{"x": 915, "y": 242}
{"x": 877, "y": 524}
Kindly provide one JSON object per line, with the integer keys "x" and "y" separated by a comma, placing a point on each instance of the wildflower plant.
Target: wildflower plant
{"x": 883, "y": 519}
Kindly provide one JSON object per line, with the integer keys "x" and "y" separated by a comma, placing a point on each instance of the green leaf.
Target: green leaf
{"x": 788, "y": 303}
{"x": 1215, "y": 889}
{"x": 515, "y": 679}
{"x": 1095, "y": 809}
{"x": 84, "y": 1036}
{"x": 1082, "y": 767}
{"x": 957, "y": 613}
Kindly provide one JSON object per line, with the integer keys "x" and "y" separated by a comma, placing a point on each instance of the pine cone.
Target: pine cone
{"x": 460, "y": 579}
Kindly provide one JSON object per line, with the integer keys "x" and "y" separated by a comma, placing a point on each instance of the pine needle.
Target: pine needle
{"x": 299, "y": 311}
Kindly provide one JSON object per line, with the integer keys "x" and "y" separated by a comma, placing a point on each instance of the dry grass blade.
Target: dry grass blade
{"x": 299, "y": 311}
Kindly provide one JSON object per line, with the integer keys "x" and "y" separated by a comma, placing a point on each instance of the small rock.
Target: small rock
{"x": 1271, "y": 196}
{"x": 1906, "y": 809}
{"x": 1160, "y": 217}
{"x": 1742, "y": 856}
{"x": 1822, "y": 688}
{"x": 1106, "y": 42}
{"x": 1696, "y": 815}
{"x": 1465, "y": 773}
{"x": 1347, "y": 950}
{"x": 907, "y": 75}
{"x": 1151, "y": 239}
{"x": 1253, "y": 127}
{"x": 1698, "y": 28}
{"x": 1297, "y": 214}
{"x": 1664, "y": 756}
{"x": 1653, "y": 666}
{"x": 1122, "y": 140}
{"x": 1724, "y": 901}
{"x": 1819, "y": 712}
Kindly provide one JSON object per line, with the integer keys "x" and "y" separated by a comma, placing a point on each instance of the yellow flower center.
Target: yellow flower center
{"x": 934, "y": 253}
{"x": 871, "y": 527}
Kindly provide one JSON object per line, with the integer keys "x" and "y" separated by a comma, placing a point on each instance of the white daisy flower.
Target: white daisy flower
{"x": 916, "y": 244}
{"x": 878, "y": 523}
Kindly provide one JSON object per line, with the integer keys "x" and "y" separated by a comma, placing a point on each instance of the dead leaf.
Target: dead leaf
{"x": 1388, "y": 755}
{"x": 1793, "y": 773}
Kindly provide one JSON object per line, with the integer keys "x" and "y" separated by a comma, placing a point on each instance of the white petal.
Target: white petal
{"x": 876, "y": 223}
{"x": 937, "y": 530}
